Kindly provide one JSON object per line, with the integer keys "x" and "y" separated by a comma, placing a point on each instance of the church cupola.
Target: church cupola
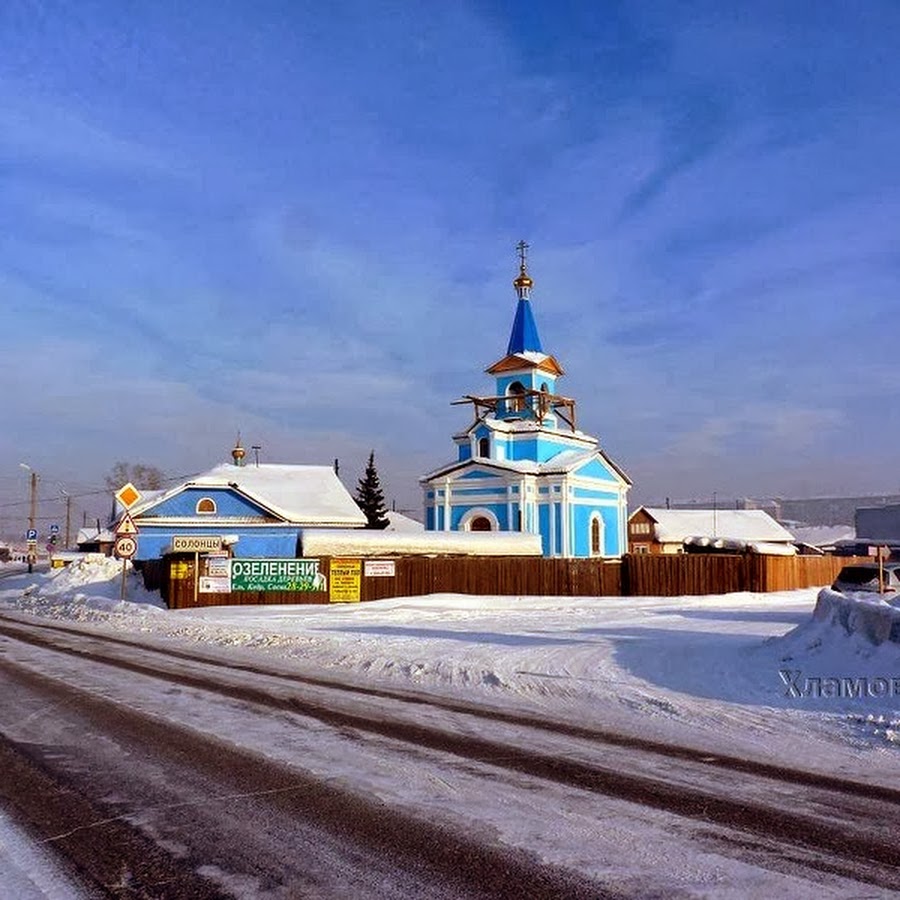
{"x": 238, "y": 453}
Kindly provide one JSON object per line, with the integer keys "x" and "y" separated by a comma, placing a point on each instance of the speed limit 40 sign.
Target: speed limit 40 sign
{"x": 125, "y": 546}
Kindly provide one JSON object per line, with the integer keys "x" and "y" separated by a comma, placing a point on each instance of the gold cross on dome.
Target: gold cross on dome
{"x": 522, "y": 247}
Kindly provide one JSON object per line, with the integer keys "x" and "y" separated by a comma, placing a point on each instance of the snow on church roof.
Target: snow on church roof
{"x": 562, "y": 462}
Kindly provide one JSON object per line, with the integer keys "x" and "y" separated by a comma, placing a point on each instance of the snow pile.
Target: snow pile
{"x": 864, "y": 613}
{"x": 88, "y": 589}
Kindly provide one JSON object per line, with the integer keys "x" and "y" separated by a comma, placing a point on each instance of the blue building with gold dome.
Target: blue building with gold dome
{"x": 522, "y": 464}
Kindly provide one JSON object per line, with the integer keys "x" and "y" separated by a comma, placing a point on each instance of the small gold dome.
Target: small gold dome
{"x": 523, "y": 281}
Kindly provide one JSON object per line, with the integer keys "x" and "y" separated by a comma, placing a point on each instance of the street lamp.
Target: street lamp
{"x": 32, "y": 514}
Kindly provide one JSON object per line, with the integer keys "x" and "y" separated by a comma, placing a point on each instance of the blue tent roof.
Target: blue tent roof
{"x": 524, "y": 335}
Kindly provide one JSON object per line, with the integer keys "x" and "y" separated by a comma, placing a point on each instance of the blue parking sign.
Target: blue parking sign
{"x": 31, "y": 534}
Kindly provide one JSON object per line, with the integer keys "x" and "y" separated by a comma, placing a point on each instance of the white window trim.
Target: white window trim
{"x": 477, "y": 513}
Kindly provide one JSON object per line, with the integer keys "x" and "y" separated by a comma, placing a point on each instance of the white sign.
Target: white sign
{"x": 196, "y": 543}
{"x": 218, "y": 567}
{"x": 380, "y": 568}
{"x": 214, "y": 585}
{"x": 125, "y": 547}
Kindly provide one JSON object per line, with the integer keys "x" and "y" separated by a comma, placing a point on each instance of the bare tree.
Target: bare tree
{"x": 148, "y": 478}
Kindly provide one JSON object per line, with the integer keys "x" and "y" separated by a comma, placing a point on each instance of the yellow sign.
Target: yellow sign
{"x": 346, "y": 575}
{"x": 128, "y": 495}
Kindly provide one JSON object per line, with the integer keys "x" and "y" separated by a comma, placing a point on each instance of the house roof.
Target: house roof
{"x": 92, "y": 535}
{"x": 675, "y": 525}
{"x": 297, "y": 494}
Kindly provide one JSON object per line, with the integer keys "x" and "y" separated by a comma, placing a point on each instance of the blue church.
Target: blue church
{"x": 522, "y": 465}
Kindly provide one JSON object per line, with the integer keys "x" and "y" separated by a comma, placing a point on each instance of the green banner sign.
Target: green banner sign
{"x": 277, "y": 575}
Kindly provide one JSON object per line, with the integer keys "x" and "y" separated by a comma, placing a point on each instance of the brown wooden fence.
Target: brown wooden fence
{"x": 639, "y": 575}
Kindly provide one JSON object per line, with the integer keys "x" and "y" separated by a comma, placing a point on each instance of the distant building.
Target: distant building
{"x": 878, "y": 525}
{"x": 812, "y": 511}
{"x": 658, "y": 531}
{"x": 522, "y": 465}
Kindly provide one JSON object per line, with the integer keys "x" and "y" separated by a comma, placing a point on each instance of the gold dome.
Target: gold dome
{"x": 523, "y": 281}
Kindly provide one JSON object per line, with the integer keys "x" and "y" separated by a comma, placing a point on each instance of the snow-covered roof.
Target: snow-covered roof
{"x": 93, "y": 535}
{"x": 405, "y": 524}
{"x": 823, "y": 535}
{"x": 559, "y": 464}
{"x": 369, "y": 542}
{"x": 298, "y": 494}
{"x": 674, "y": 525}
{"x": 510, "y": 426}
{"x": 734, "y": 545}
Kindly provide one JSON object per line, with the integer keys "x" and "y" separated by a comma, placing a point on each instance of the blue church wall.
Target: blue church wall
{"x": 596, "y": 469}
{"x": 465, "y": 452}
{"x": 535, "y": 449}
{"x": 610, "y": 517}
{"x": 544, "y": 528}
{"x": 594, "y": 494}
{"x": 457, "y": 513}
{"x": 476, "y": 473}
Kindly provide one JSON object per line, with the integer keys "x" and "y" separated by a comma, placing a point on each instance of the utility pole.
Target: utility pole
{"x": 68, "y": 497}
{"x": 32, "y": 511}
{"x": 32, "y": 516}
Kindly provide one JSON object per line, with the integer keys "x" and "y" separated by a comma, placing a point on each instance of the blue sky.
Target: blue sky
{"x": 298, "y": 220}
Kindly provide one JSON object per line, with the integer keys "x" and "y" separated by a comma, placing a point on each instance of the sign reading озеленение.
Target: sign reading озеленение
{"x": 277, "y": 575}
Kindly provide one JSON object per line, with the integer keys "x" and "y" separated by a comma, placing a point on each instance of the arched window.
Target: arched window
{"x": 479, "y": 519}
{"x": 484, "y": 447}
{"x": 596, "y": 535}
{"x": 516, "y": 394}
{"x": 206, "y": 505}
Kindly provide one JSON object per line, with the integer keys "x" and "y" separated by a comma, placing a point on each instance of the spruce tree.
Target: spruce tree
{"x": 370, "y": 497}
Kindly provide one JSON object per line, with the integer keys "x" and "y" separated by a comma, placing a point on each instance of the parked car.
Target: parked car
{"x": 864, "y": 577}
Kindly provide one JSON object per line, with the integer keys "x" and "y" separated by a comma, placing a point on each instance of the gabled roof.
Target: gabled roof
{"x": 563, "y": 462}
{"x": 296, "y": 494}
{"x": 675, "y": 525}
{"x": 525, "y": 360}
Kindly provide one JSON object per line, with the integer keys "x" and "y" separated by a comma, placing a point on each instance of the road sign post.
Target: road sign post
{"x": 126, "y": 531}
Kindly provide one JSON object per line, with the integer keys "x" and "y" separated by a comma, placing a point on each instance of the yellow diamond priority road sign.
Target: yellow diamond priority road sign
{"x": 128, "y": 495}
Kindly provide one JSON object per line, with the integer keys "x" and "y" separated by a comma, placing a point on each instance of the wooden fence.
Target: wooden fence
{"x": 637, "y": 576}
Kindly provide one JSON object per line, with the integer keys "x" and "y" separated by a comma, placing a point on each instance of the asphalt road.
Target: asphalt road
{"x": 146, "y": 803}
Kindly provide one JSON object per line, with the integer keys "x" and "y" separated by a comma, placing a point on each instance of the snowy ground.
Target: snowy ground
{"x": 702, "y": 671}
